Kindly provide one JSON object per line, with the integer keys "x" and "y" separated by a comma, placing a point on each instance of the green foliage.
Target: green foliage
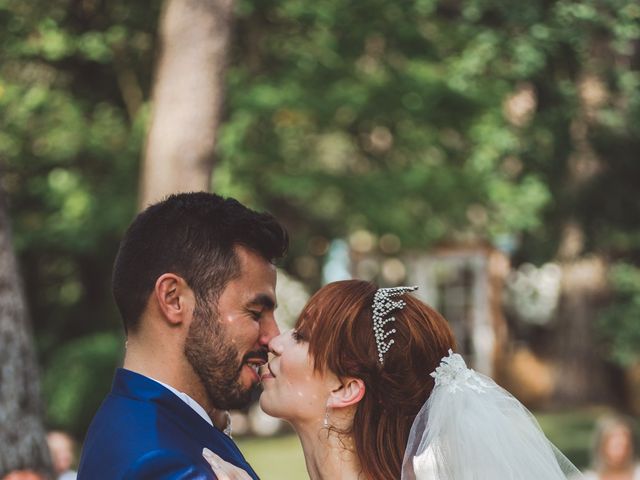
{"x": 397, "y": 119}
{"x": 77, "y": 379}
{"x": 619, "y": 323}
{"x": 69, "y": 150}
{"x": 355, "y": 116}
{"x": 73, "y": 77}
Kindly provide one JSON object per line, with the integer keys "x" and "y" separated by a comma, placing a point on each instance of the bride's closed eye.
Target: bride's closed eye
{"x": 297, "y": 336}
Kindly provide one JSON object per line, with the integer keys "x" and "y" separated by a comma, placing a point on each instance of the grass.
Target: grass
{"x": 571, "y": 432}
{"x": 275, "y": 458}
{"x": 280, "y": 457}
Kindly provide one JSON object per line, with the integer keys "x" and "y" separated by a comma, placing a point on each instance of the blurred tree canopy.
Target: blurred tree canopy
{"x": 434, "y": 120}
{"x": 619, "y": 323}
{"x": 73, "y": 77}
{"x": 438, "y": 119}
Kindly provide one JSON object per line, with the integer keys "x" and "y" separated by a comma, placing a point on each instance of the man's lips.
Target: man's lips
{"x": 256, "y": 356}
{"x": 254, "y": 360}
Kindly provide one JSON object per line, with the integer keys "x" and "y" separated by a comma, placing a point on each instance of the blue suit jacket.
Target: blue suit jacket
{"x": 144, "y": 431}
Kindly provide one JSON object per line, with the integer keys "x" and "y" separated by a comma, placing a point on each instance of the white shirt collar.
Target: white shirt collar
{"x": 188, "y": 400}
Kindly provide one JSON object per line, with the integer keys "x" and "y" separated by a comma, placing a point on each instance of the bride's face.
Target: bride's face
{"x": 292, "y": 389}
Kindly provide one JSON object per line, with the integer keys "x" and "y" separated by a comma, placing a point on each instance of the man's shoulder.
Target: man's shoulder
{"x": 135, "y": 440}
{"x": 167, "y": 465}
{"x": 159, "y": 464}
{"x": 123, "y": 416}
{"x": 123, "y": 431}
{"x": 138, "y": 439}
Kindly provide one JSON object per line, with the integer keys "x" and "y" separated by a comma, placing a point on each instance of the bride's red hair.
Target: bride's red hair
{"x": 337, "y": 322}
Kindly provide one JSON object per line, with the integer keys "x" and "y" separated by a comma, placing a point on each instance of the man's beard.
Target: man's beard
{"x": 216, "y": 361}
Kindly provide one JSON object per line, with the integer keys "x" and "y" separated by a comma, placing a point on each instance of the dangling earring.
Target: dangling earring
{"x": 325, "y": 422}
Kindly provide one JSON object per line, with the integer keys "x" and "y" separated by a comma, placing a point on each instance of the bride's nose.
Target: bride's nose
{"x": 276, "y": 344}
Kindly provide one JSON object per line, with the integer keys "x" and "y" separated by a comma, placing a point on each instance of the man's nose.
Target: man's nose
{"x": 268, "y": 330}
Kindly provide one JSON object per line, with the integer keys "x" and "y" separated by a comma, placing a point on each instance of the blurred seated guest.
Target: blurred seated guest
{"x": 23, "y": 475}
{"x": 614, "y": 451}
{"x": 62, "y": 448}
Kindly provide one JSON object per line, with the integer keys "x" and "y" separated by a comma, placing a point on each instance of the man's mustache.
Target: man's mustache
{"x": 261, "y": 354}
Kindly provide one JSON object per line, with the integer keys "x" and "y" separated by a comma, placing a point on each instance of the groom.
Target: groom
{"x": 194, "y": 281}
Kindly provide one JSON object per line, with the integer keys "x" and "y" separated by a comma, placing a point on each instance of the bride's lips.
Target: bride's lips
{"x": 266, "y": 372}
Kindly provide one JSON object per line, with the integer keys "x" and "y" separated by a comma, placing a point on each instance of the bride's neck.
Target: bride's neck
{"x": 328, "y": 455}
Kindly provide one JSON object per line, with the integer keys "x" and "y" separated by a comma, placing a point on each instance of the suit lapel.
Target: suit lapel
{"x": 133, "y": 385}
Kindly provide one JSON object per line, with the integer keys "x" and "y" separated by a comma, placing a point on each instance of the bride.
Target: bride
{"x": 369, "y": 382}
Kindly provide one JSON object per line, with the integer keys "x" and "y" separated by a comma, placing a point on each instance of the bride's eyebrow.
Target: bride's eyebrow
{"x": 262, "y": 300}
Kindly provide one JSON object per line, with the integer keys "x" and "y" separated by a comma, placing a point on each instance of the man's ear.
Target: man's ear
{"x": 174, "y": 297}
{"x": 348, "y": 393}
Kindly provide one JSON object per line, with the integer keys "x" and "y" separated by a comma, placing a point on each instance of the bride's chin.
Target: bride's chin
{"x": 268, "y": 407}
{"x": 265, "y": 404}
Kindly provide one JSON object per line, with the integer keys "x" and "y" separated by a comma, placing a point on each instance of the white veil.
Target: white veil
{"x": 472, "y": 429}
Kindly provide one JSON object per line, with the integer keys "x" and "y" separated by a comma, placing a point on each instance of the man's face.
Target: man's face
{"x": 225, "y": 345}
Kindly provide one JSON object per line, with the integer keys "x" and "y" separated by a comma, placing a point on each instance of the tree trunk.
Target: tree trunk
{"x": 187, "y": 97}
{"x": 22, "y": 436}
{"x": 581, "y": 376}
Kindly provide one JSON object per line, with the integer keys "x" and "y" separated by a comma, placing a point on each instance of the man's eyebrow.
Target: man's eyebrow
{"x": 263, "y": 300}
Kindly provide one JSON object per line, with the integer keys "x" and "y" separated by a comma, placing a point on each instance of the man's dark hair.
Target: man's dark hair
{"x": 192, "y": 235}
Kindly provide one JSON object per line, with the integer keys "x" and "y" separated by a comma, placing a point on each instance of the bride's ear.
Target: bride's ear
{"x": 348, "y": 393}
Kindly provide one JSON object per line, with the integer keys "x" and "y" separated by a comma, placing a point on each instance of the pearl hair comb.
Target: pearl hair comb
{"x": 383, "y": 305}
